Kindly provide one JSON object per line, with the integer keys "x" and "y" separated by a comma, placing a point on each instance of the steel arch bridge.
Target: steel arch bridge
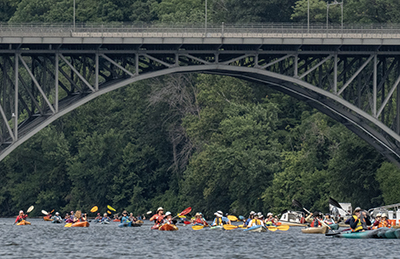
{"x": 352, "y": 75}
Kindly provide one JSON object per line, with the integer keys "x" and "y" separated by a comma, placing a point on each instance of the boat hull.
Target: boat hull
{"x": 292, "y": 224}
{"x": 84, "y": 224}
{"x": 168, "y": 227}
{"x": 23, "y": 223}
{"x": 314, "y": 230}
{"x": 256, "y": 229}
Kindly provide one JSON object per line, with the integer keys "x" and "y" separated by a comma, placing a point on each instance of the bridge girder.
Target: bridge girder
{"x": 358, "y": 88}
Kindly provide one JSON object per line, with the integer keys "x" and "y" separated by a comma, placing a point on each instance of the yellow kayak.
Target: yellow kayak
{"x": 23, "y": 222}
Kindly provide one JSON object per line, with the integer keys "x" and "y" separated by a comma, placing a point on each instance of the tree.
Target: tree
{"x": 388, "y": 176}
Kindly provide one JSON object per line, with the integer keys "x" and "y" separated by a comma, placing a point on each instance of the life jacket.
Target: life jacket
{"x": 256, "y": 222}
{"x": 159, "y": 219}
{"x": 315, "y": 223}
{"x": 218, "y": 221}
{"x": 383, "y": 224}
{"x": 199, "y": 221}
{"x": 359, "y": 226}
{"x": 269, "y": 222}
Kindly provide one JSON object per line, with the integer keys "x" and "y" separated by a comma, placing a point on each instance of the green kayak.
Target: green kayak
{"x": 217, "y": 228}
{"x": 386, "y": 233}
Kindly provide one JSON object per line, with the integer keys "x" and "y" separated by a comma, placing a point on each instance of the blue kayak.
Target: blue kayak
{"x": 256, "y": 228}
{"x": 129, "y": 224}
{"x": 387, "y": 233}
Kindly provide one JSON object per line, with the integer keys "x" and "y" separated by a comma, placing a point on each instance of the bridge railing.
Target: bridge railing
{"x": 159, "y": 30}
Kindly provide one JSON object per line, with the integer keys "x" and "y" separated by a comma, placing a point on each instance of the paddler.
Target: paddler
{"x": 220, "y": 219}
{"x": 105, "y": 218}
{"x": 313, "y": 219}
{"x": 125, "y": 217}
{"x": 21, "y": 216}
{"x": 251, "y": 217}
{"x": 57, "y": 218}
{"x": 359, "y": 221}
{"x": 328, "y": 220}
{"x": 377, "y": 220}
{"x": 269, "y": 221}
{"x": 255, "y": 222}
{"x": 384, "y": 222}
{"x": 158, "y": 217}
{"x": 168, "y": 219}
{"x": 198, "y": 220}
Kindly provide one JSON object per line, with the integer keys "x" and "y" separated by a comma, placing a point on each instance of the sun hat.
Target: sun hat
{"x": 269, "y": 214}
{"x": 218, "y": 215}
{"x": 259, "y": 214}
{"x": 384, "y": 215}
{"x": 168, "y": 213}
{"x": 57, "y": 213}
{"x": 220, "y": 212}
{"x": 252, "y": 213}
{"x": 378, "y": 215}
{"x": 159, "y": 208}
{"x": 21, "y": 211}
{"x": 197, "y": 214}
{"x": 358, "y": 209}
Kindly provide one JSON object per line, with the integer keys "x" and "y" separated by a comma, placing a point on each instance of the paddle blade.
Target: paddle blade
{"x": 109, "y": 212}
{"x": 94, "y": 209}
{"x": 182, "y": 216}
{"x": 232, "y": 218}
{"x": 110, "y": 208}
{"x": 68, "y": 225}
{"x": 296, "y": 203}
{"x": 185, "y": 211}
{"x": 334, "y": 203}
{"x": 273, "y": 229}
{"x": 30, "y": 209}
{"x": 187, "y": 222}
{"x": 229, "y": 227}
{"x": 149, "y": 212}
{"x": 283, "y": 228}
{"x": 52, "y": 211}
{"x": 45, "y": 212}
{"x": 197, "y": 227}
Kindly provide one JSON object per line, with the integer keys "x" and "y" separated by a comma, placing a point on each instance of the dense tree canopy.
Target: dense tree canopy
{"x": 205, "y": 141}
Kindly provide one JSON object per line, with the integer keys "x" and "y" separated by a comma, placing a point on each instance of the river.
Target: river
{"x": 46, "y": 240}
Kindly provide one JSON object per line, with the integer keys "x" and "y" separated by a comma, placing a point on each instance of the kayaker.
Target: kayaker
{"x": 198, "y": 220}
{"x": 105, "y": 218}
{"x": 158, "y": 217}
{"x": 255, "y": 222}
{"x": 359, "y": 221}
{"x": 57, "y": 218}
{"x": 21, "y": 216}
{"x": 125, "y": 218}
{"x": 168, "y": 219}
{"x": 78, "y": 216}
{"x": 71, "y": 218}
{"x": 328, "y": 220}
{"x": 270, "y": 221}
{"x": 132, "y": 218}
{"x": 384, "y": 222}
{"x": 251, "y": 217}
{"x": 66, "y": 216}
{"x": 377, "y": 220}
{"x": 220, "y": 220}
{"x": 313, "y": 219}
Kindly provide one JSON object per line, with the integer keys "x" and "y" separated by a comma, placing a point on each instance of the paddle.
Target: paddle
{"x": 45, "y": 212}
{"x": 110, "y": 208}
{"x": 30, "y": 209}
{"x": 149, "y": 212}
{"x": 232, "y": 218}
{"x": 94, "y": 209}
{"x": 334, "y": 203}
{"x": 184, "y": 212}
{"x": 109, "y": 212}
{"x": 68, "y": 225}
{"x": 229, "y": 227}
{"x": 272, "y": 228}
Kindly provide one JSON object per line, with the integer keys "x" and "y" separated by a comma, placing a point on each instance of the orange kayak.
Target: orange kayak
{"x": 84, "y": 224}
{"x": 47, "y": 219}
{"x": 168, "y": 227}
{"x": 23, "y": 222}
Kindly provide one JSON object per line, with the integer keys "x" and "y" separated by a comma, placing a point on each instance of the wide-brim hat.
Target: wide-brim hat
{"x": 218, "y": 215}
{"x": 197, "y": 214}
{"x": 358, "y": 209}
{"x": 159, "y": 208}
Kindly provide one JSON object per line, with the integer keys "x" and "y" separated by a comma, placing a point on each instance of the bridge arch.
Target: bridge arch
{"x": 342, "y": 111}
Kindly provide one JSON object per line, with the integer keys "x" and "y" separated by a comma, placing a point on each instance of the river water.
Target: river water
{"x": 46, "y": 240}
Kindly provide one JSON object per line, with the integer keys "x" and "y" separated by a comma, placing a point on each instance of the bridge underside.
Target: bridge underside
{"x": 355, "y": 85}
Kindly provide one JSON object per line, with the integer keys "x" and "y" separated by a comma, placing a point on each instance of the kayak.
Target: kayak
{"x": 23, "y": 223}
{"x": 47, "y": 219}
{"x": 343, "y": 225}
{"x": 155, "y": 227}
{"x": 217, "y": 228}
{"x": 334, "y": 226}
{"x": 83, "y": 224}
{"x": 359, "y": 235}
{"x": 168, "y": 227}
{"x": 105, "y": 222}
{"x": 130, "y": 224}
{"x": 56, "y": 221}
{"x": 256, "y": 228}
{"x": 292, "y": 224}
{"x": 315, "y": 230}
{"x": 116, "y": 220}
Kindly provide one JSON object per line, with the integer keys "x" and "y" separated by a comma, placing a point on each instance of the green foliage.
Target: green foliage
{"x": 388, "y": 176}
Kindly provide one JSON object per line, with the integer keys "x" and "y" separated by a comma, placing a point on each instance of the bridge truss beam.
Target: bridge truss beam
{"x": 357, "y": 86}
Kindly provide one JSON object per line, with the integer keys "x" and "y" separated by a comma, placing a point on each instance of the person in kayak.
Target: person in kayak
{"x": 377, "y": 220}
{"x": 125, "y": 217}
{"x": 71, "y": 218}
{"x": 359, "y": 221}
{"x": 168, "y": 219}
{"x": 220, "y": 219}
{"x": 314, "y": 219}
{"x": 328, "y": 220}
{"x": 21, "y": 216}
{"x": 105, "y": 218}
{"x": 198, "y": 220}
{"x": 251, "y": 217}
{"x": 98, "y": 218}
{"x": 270, "y": 221}
{"x": 132, "y": 218}
{"x": 255, "y": 222}
{"x": 158, "y": 217}
{"x": 57, "y": 218}
{"x": 384, "y": 222}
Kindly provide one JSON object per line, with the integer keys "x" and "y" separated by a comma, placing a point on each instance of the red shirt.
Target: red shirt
{"x": 19, "y": 218}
